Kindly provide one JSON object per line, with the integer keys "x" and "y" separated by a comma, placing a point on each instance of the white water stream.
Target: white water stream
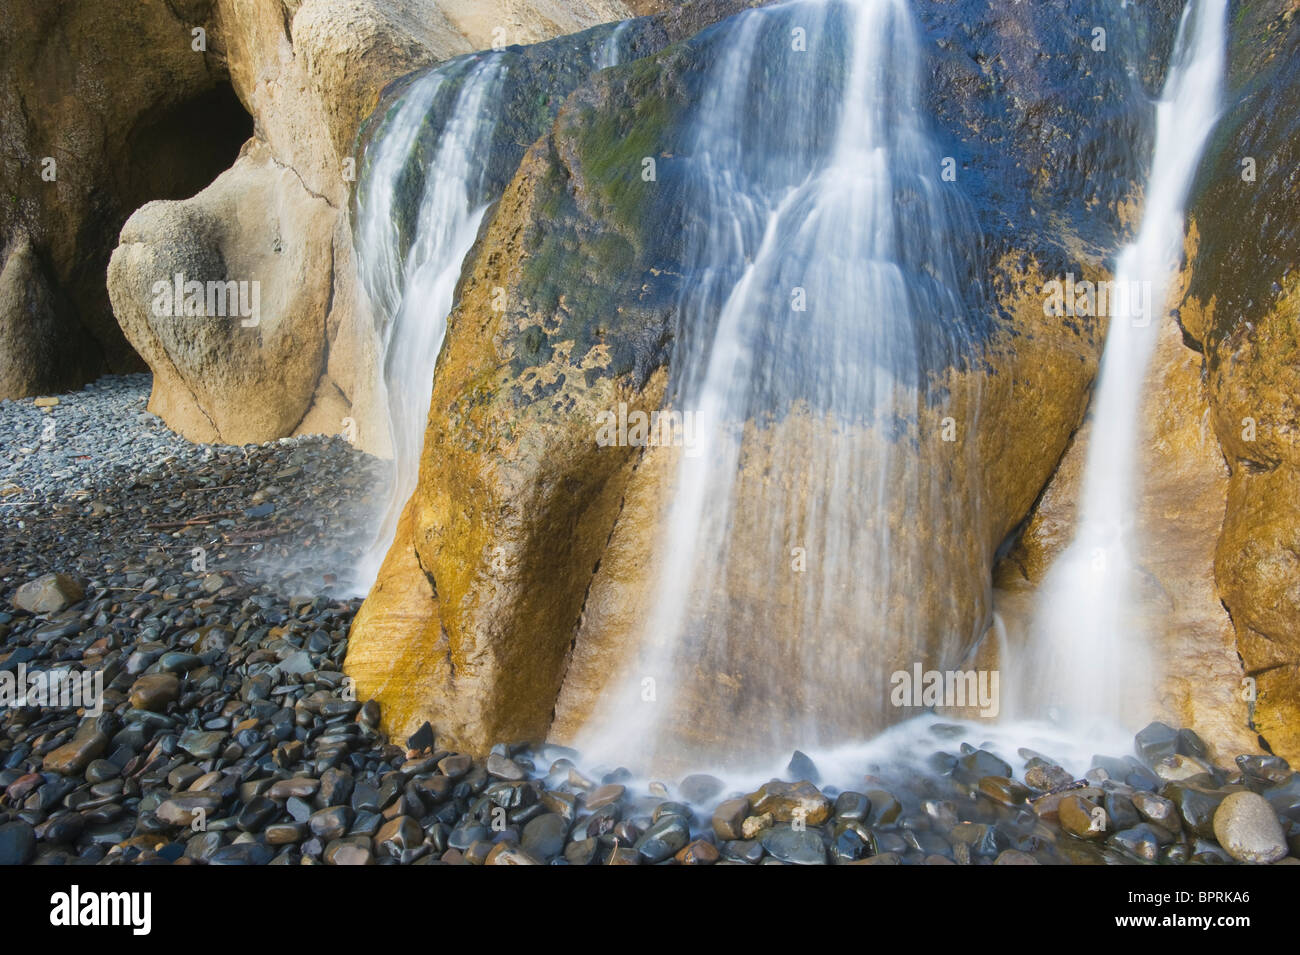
{"x": 412, "y": 286}
{"x": 1088, "y": 659}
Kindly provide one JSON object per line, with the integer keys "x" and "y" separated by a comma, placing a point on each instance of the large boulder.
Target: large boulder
{"x": 539, "y": 544}
{"x": 103, "y": 106}
{"x": 237, "y": 357}
{"x": 430, "y": 663}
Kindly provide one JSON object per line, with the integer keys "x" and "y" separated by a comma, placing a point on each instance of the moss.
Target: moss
{"x": 613, "y": 145}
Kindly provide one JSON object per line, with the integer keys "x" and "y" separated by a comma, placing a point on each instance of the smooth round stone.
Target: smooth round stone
{"x": 604, "y": 796}
{"x": 178, "y": 662}
{"x": 979, "y": 838}
{"x": 242, "y": 853}
{"x": 850, "y": 840}
{"x": 626, "y": 833}
{"x": 1015, "y": 857}
{"x": 1196, "y": 805}
{"x": 369, "y": 715}
{"x": 1003, "y": 790}
{"x": 303, "y": 787}
{"x": 503, "y": 767}
{"x": 402, "y": 833}
{"x": 62, "y": 829}
{"x": 700, "y": 787}
{"x": 101, "y": 770}
{"x": 801, "y": 767}
{"x": 1046, "y": 777}
{"x": 743, "y": 851}
{"x": 1122, "y": 811}
{"x": 790, "y": 801}
{"x": 973, "y": 766}
{"x": 181, "y": 810}
{"x": 154, "y": 691}
{"x": 1248, "y": 829}
{"x": 1155, "y": 742}
{"x": 671, "y": 809}
{"x": 202, "y": 744}
{"x": 505, "y": 854}
{"x": 885, "y": 809}
{"x": 331, "y": 823}
{"x": 1082, "y": 819}
{"x": 1139, "y": 841}
{"x": 283, "y": 833}
{"x": 729, "y": 818}
{"x": 335, "y": 788}
{"x": 353, "y": 850}
{"x": 256, "y": 814}
{"x": 563, "y": 804}
{"x": 332, "y": 708}
{"x": 17, "y": 843}
{"x": 794, "y": 846}
{"x": 852, "y": 805}
{"x": 200, "y": 846}
{"x": 582, "y": 851}
{"x": 1177, "y": 768}
{"x": 466, "y": 834}
{"x": 455, "y": 765}
{"x": 19, "y": 785}
{"x": 543, "y": 837}
{"x": 699, "y": 852}
{"x": 478, "y": 852}
{"x": 663, "y": 839}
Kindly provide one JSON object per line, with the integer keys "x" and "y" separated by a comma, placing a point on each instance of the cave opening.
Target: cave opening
{"x": 179, "y": 152}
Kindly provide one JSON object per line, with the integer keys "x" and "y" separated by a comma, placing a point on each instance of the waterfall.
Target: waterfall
{"x": 610, "y": 53}
{"x": 437, "y": 157}
{"x": 829, "y": 283}
{"x": 1087, "y": 658}
{"x": 409, "y": 264}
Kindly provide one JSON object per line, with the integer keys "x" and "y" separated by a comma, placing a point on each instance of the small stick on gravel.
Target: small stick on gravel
{"x": 192, "y": 522}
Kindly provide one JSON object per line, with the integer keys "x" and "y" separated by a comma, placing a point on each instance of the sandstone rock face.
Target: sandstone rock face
{"x": 540, "y": 545}
{"x": 1242, "y": 311}
{"x": 102, "y": 108}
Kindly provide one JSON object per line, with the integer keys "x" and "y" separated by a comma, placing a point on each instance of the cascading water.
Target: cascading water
{"x": 610, "y": 53}
{"x": 409, "y": 267}
{"x": 829, "y": 286}
{"x": 440, "y": 155}
{"x": 1087, "y": 659}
